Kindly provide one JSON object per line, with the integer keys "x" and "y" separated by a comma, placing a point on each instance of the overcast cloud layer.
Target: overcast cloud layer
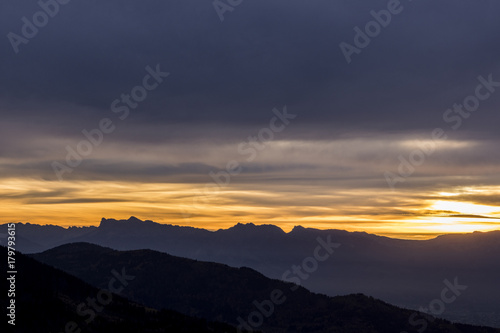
{"x": 353, "y": 120}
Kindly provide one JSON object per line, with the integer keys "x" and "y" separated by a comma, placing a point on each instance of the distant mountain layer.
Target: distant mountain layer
{"x": 49, "y": 300}
{"x": 238, "y": 296}
{"x": 407, "y": 273}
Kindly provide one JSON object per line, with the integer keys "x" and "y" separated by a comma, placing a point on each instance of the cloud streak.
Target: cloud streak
{"x": 355, "y": 120}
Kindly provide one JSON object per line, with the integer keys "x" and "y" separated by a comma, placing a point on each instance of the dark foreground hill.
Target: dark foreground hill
{"x": 238, "y": 296}
{"x": 407, "y": 273}
{"x": 47, "y": 300}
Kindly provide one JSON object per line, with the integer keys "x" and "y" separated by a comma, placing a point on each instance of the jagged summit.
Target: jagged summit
{"x": 298, "y": 228}
{"x": 132, "y": 219}
{"x": 252, "y": 228}
{"x": 105, "y": 221}
{"x": 240, "y": 225}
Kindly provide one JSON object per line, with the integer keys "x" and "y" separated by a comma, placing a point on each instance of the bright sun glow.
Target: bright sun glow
{"x": 80, "y": 203}
{"x": 464, "y": 207}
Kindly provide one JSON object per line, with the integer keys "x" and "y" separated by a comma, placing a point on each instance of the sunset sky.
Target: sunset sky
{"x": 266, "y": 94}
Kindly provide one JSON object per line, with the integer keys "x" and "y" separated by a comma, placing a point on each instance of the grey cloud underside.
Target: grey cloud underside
{"x": 265, "y": 53}
{"x": 227, "y": 76}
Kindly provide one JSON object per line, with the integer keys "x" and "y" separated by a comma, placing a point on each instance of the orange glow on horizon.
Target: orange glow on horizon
{"x": 84, "y": 203}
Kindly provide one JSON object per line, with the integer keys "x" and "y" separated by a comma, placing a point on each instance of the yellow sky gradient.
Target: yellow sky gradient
{"x": 84, "y": 203}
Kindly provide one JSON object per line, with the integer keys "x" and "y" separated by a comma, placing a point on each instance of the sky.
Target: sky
{"x": 376, "y": 116}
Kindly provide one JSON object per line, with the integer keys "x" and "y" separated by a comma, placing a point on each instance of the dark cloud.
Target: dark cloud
{"x": 353, "y": 122}
{"x": 266, "y": 53}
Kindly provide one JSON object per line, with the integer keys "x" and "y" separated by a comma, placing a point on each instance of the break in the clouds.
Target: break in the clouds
{"x": 353, "y": 120}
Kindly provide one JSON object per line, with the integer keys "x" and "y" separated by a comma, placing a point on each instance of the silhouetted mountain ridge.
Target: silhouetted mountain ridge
{"x": 407, "y": 273}
{"x": 47, "y": 300}
{"x": 219, "y": 292}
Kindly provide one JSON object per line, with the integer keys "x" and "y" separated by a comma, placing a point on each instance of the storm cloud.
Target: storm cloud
{"x": 353, "y": 120}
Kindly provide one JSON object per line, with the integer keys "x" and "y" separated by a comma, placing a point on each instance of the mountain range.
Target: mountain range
{"x": 241, "y": 297}
{"x": 50, "y": 300}
{"x": 407, "y": 273}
